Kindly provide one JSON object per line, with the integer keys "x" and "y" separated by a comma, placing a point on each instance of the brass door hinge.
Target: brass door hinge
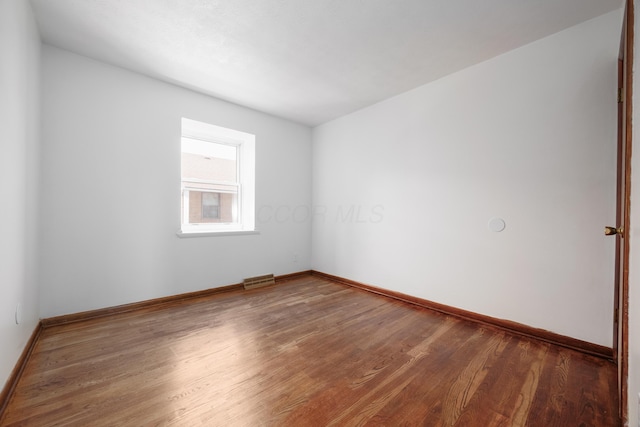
{"x": 620, "y": 95}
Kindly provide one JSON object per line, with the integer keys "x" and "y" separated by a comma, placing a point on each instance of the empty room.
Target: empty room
{"x": 310, "y": 213}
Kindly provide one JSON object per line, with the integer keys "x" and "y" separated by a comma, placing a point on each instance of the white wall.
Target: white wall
{"x": 403, "y": 190}
{"x": 111, "y": 190}
{"x": 19, "y": 145}
{"x": 634, "y": 242}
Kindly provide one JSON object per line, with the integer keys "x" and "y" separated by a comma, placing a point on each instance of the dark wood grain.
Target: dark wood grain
{"x": 625, "y": 135}
{"x": 513, "y": 327}
{"x": 307, "y": 352}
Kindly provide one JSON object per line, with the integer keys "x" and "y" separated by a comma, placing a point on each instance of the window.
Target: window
{"x": 217, "y": 169}
{"x": 210, "y": 206}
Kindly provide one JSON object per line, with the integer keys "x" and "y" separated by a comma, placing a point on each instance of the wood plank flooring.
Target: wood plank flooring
{"x": 307, "y": 352}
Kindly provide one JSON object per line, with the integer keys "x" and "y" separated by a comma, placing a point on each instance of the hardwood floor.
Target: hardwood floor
{"x": 307, "y": 352}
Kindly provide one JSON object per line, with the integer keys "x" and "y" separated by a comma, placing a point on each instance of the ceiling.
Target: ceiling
{"x": 309, "y": 61}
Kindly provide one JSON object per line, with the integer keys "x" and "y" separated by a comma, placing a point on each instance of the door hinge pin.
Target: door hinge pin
{"x": 619, "y": 95}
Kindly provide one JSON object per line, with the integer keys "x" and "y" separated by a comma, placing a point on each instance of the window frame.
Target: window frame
{"x": 245, "y": 143}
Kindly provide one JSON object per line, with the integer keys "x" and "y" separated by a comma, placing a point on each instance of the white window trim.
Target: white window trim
{"x": 246, "y": 203}
{"x": 215, "y": 233}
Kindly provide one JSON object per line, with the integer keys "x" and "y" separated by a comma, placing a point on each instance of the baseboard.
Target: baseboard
{"x": 16, "y": 373}
{"x": 136, "y": 306}
{"x": 292, "y": 276}
{"x": 512, "y": 327}
{"x": 155, "y": 303}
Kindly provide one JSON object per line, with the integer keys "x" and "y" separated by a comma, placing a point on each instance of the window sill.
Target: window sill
{"x": 188, "y": 234}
